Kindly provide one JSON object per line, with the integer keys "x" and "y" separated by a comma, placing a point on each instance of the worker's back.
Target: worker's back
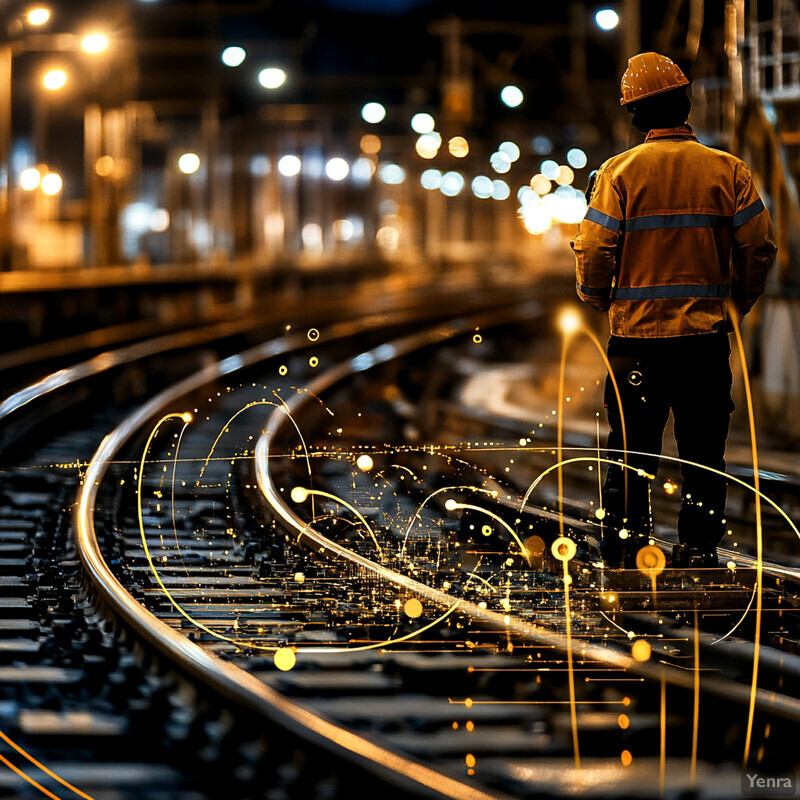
{"x": 672, "y": 211}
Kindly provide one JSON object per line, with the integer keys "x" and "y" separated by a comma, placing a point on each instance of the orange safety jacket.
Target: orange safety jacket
{"x": 673, "y": 229}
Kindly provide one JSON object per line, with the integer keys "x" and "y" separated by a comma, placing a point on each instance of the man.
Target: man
{"x": 673, "y": 230}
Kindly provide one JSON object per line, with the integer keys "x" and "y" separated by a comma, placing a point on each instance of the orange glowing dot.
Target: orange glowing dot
{"x": 651, "y": 560}
{"x": 458, "y": 146}
{"x": 626, "y": 701}
{"x": 670, "y": 487}
{"x": 470, "y": 760}
{"x": 413, "y": 608}
{"x": 641, "y": 650}
{"x": 370, "y": 144}
{"x": 626, "y": 758}
{"x": 468, "y": 702}
{"x": 623, "y": 721}
{"x": 470, "y": 725}
{"x": 187, "y": 417}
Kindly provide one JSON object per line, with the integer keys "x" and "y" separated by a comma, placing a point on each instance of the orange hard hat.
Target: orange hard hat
{"x": 649, "y": 74}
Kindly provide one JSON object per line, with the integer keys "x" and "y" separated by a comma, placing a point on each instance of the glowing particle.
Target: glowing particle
{"x": 313, "y": 335}
{"x": 477, "y": 338}
{"x": 563, "y": 548}
{"x": 486, "y": 530}
{"x": 470, "y": 760}
{"x": 731, "y": 565}
{"x": 512, "y": 96}
{"x": 285, "y": 658}
{"x": 299, "y": 494}
{"x": 626, "y": 758}
{"x": 272, "y": 77}
{"x": 413, "y": 608}
{"x": 670, "y": 487}
{"x": 451, "y": 505}
{"x": 299, "y": 577}
{"x": 569, "y": 320}
{"x": 313, "y": 361}
{"x": 283, "y": 369}
{"x": 365, "y": 463}
{"x": 458, "y": 146}
{"x": 623, "y": 533}
{"x": 470, "y": 726}
{"x": 623, "y": 721}
{"x": 186, "y": 417}
{"x": 651, "y": 560}
{"x": 641, "y": 650}
{"x": 600, "y": 513}
{"x": 468, "y": 702}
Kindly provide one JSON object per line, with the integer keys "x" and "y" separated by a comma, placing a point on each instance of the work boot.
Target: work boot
{"x": 688, "y": 556}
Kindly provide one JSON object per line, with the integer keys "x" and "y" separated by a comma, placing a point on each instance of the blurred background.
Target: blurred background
{"x": 173, "y": 161}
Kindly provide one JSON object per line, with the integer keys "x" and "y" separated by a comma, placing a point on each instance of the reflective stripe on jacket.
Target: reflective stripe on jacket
{"x": 673, "y": 229}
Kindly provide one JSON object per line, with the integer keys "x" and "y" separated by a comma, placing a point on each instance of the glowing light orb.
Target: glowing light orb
{"x": 365, "y": 463}
{"x": 569, "y": 321}
{"x": 38, "y": 16}
{"x": 95, "y": 43}
{"x": 458, "y": 147}
{"x": 541, "y": 184}
{"x": 512, "y": 96}
{"x": 413, "y": 608}
{"x": 651, "y": 560}
{"x": 299, "y": 494}
{"x": 187, "y": 417}
{"x": 189, "y": 163}
{"x": 510, "y": 149}
{"x": 576, "y": 158}
{"x": 370, "y": 144}
{"x": 54, "y": 79}
{"x": 337, "y": 169}
{"x": 373, "y": 113}
{"x": 285, "y": 658}
{"x": 233, "y": 56}
{"x": 451, "y": 505}
{"x": 482, "y": 187}
{"x": 600, "y": 513}
{"x": 431, "y": 179}
{"x": 641, "y": 650}
{"x": 52, "y": 183}
{"x": 299, "y": 577}
{"x": 550, "y": 169}
{"x": 626, "y": 758}
{"x": 422, "y": 123}
{"x": 289, "y": 166}
{"x": 272, "y": 77}
{"x": 30, "y": 179}
{"x": 563, "y": 549}
{"x": 607, "y": 19}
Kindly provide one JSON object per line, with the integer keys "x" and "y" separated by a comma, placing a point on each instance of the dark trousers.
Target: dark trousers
{"x": 691, "y": 376}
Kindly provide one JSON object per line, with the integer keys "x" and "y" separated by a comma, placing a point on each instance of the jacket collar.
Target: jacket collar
{"x": 681, "y": 132}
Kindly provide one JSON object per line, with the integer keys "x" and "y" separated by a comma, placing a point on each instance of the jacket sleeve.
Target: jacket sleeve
{"x": 596, "y": 244}
{"x": 754, "y": 248}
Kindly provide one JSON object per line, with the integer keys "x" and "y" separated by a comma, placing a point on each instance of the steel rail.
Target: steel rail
{"x": 767, "y": 701}
{"x": 230, "y": 682}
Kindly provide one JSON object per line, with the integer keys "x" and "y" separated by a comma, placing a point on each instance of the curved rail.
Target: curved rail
{"x": 230, "y": 682}
{"x": 771, "y": 702}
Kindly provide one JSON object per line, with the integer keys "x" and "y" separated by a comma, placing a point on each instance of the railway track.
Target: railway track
{"x": 383, "y": 599}
{"x": 77, "y": 700}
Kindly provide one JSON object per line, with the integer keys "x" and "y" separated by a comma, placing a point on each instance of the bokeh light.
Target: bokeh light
{"x": 337, "y": 169}
{"x": 39, "y": 15}
{"x": 30, "y": 179}
{"x": 373, "y": 113}
{"x": 431, "y": 179}
{"x": 54, "y": 79}
{"x": 271, "y": 77}
{"x": 510, "y": 149}
{"x": 233, "y": 56}
{"x": 607, "y": 19}
{"x": 422, "y": 123}
{"x": 189, "y": 163}
{"x": 95, "y": 43}
{"x": 392, "y": 174}
{"x": 370, "y": 144}
{"x": 576, "y": 158}
{"x": 452, "y": 183}
{"x": 458, "y": 146}
{"x": 289, "y": 166}
{"x": 52, "y": 183}
{"x": 512, "y": 96}
{"x": 482, "y": 187}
